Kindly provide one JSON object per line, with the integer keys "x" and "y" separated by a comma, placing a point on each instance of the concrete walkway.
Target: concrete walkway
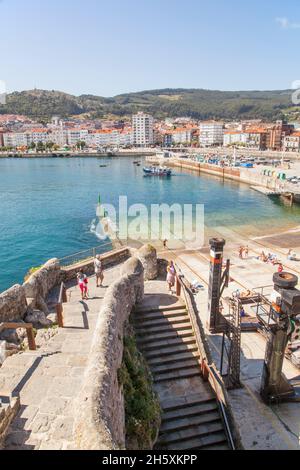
{"x": 49, "y": 379}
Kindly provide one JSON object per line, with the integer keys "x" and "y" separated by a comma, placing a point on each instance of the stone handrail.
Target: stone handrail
{"x": 99, "y": 413}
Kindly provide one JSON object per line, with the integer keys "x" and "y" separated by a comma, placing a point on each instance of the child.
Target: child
{"x": 82, "y": 283}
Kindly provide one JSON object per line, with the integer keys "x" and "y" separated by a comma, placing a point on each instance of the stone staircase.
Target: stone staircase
{"x": 190, "y": 414}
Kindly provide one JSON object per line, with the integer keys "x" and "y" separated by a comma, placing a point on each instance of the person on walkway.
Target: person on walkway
{"x": 241, "y": 249}
{"x": 246, "y": 252}
{"x": 83, "y": 284}
{"x": 98, "y": 271}
{"x": 165, "y": 243}
{"x": 171, "y": 272}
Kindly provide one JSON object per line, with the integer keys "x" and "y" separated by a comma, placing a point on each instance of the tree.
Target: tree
{"x": 32, "y": 146}
{"x": 40, "y": 146}
{"x": 81, "y": 144}
{"x": 50, "y": 145}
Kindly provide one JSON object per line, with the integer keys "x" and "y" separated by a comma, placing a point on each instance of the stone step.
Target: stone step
{"x": 188, "y": 401}
{"x": 188, "y": 421}
{"x": 165, "y": 308}
{"x": 223, "y": 445}
{"x": 201, "y": 442}
{"x": 161, "y": 321}
{"x": 152, "y": 316}
{"x": 162, "y": 368}
{"x": 171, "y": 350}
{"x": 153, "y": 328}
{"x": 191, "y": 410}
{"x": 165, "y": 344}
{"x": 173, "y": 358}
{"x": 192, "y": 432}
{"x": 178, "y": 374}
{"x": 168, "y": 335}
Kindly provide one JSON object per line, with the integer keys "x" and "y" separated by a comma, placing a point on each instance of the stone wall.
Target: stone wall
{"x": 13, "y": 305}
{"x": 99, "y": 413}
{"x": 41, "y": 282}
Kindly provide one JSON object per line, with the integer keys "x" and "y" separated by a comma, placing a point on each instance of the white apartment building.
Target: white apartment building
{"x": 15, "y": 139}
{"x": 234, "y": 137}
{"x": 291, "y": 143}
{"x": 25, "y": 139}
{"x": 103, "y": 138}
{"x": 211, "y": 133}
{"x": 76, "y": 135}
{"x": 142, "y": 125}
{"x": 181, "y": 136}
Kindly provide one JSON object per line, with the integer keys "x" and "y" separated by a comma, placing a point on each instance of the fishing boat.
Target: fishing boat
{"x": 157, "y": 171}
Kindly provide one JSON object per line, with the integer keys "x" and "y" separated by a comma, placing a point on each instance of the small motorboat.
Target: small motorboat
{"x": 136, "y": 161}
{"x": 157, "y": 171}
{"x": 102, "y": 166}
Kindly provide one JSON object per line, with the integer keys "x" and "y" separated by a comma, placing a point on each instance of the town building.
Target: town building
{"x": 211, "y": 133}
{"x": 142, "y": 125}
{"x": 291, "y": 143}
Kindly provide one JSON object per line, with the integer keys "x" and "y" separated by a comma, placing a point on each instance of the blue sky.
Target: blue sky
{"x": 111, "y": 47}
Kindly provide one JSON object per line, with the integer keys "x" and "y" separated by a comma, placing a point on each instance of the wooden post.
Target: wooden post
{"x": 178, "y": 287}
{"x": 59, "y": 313}
{"x": 64, "y": 295}
{"x": 204, "y": 370}
{"x": 31, "y": 340}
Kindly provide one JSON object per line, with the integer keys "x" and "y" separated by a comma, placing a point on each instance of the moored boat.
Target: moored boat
{"x": 157, "y": 171}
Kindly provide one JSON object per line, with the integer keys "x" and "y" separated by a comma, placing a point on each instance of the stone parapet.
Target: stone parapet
{"x": 100, "y": 414}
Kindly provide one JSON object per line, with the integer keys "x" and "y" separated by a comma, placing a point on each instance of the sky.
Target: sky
{"x": 107, "y": 47}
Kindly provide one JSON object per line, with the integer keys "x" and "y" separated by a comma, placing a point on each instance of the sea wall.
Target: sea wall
{"x": 251, "y": 176}
{"x": 99, "y": 411}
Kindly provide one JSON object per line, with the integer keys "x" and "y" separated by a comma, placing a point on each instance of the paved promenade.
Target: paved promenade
{"x": 49, "y": 379}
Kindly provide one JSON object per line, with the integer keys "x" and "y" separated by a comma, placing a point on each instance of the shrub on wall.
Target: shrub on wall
{"x": 142, "y": 410}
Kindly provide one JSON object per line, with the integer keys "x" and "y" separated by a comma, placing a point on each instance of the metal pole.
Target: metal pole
{"x": 215, "y": 273}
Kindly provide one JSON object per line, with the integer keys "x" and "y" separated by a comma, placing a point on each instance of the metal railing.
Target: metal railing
{"x": 85, "y": 254}
{"x": 208, "y": 371}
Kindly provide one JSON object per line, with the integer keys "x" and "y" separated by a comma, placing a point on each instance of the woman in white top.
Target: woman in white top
{"x": 98, "y": 270}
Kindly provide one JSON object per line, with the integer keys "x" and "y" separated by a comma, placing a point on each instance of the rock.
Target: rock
{"x": 37, "y": 318}
{"x": 13, "y": 304}
{"x": 10, "y": 335}
{"x": 148, "y": 257}
{"x": 2, "y": 351}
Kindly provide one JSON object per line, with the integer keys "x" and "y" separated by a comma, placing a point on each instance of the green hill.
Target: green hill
{"x": 197, "y": 103}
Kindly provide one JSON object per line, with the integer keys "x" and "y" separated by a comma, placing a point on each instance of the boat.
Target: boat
{"x": 102, "y": 166}
{"x": 157, "y": 171}
{"x": 136, "y": 161}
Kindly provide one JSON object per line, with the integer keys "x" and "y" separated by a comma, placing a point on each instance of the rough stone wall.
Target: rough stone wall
{"x": 99, "y": 413}
{"x": 148, "y": 257}
{"x": 41, "y": 282}
{"x": 13, "y": 304}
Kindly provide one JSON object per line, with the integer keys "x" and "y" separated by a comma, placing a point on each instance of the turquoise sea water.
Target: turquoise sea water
{"x": 47, "y": 205}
